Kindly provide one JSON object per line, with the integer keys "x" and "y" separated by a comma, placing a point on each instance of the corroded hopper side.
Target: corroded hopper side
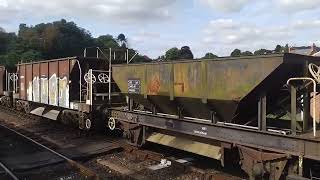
{"x": 203, "y": 88}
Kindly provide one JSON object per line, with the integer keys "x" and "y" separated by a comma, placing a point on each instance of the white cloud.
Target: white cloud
{"x": 144, "y": 36}
{"x": 297, "y": 5}
{"x": 306, "y": 24}
{"x": 226, "y": 6}
{"x": 109, "y": 10}
{"x": 227, "y": 34}
{"x": 3, "y": 3}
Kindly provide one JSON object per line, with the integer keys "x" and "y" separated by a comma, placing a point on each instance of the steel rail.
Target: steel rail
{"x": 82, "y": 168}
{"x": 8, "y": 171}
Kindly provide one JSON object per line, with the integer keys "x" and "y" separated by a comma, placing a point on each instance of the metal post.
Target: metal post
{"x": 90, "y": 86}
{"x": 306, "y": 100}
{"x": 97, "y": 53}
{"x": 154, "y": 110}
{"x": 14, "y": 83}
{"x": 180, "y": 112}
{"x": 109, "y": 95}
{"x": 6, "y": 80}
{"x": 130, "y": 104}
{"x": 262, "y": 113}
{"x": 293, "y": 110}
{"x": 301, "y": 166}
{"x": 306, "y": 110}
{"x": 213, "y": 119}
{"x": 127, "y": 56}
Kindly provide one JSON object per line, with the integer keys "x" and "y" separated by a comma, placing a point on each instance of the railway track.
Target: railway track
{"x": 19, "y": 144}
{"x": 128, "y": 163}
{"x": 6, "y": 173}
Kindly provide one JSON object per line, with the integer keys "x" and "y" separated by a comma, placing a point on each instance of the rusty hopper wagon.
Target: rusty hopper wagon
{"x": 67, "y": 89}
{"x": 259, "y": 105}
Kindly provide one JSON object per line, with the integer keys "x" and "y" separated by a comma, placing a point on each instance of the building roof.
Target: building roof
{"x": 305, "y": 50}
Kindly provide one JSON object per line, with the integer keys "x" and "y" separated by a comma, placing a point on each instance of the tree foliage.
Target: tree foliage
{"x": 209, "y": 56}
{"x": 178, "y": 54}
{"x": 185, "y": 53}
{"x": 262, "y": 52}
{"x": 278, "y": 49}
{"x": 236, "y": 53}
{"x": 53, "y": 40}
{"x": 172, "y": 54}
{"x": 246, "y": 53}
{"x": 122, "y": 40}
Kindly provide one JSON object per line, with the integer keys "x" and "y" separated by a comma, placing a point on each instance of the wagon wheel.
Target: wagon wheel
{"x": 104, "y": 78}
{"x": 89, "y": 79}
{"x": 315, "y": 71}
{"x": 13, "y": 77}
{"x": 19, "y": 106}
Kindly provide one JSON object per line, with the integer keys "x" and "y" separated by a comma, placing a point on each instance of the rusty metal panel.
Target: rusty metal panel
{"x": 29, "y": 81}
{"x": 124, "y": 74}
{"x": 53, "y": 83}
{"x": 22, "y": 79}
{"x": 187, "y": 79}
{"x": 44, "y": 82}
{"x": 233, "y": 79}
{"x": 2, "y": 79}
{"x": 158, "y": 79}
{"x": 200, "y": 87}
{"x": 36, "y": 82}
{"x": 64, "y": 83}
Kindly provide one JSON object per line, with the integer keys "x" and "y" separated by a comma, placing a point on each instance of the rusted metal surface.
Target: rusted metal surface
{"x": 36, "y": 82}
{"x": 44, "y": 84}
{"x": 64, "y": 72}
{"x": 199, "y": 88}
{"x": 2, "y": 79}
{"x": 293, "y": 145}
{"x": 22, "y": 80}
{"x": 258, "y": 164}
{"x": 57, "y": 83}
{"x": 29, "y": 82}
{"x": 53, "y": 83}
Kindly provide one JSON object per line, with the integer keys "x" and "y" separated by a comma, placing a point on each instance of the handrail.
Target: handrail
{"x": 314, "y": 103}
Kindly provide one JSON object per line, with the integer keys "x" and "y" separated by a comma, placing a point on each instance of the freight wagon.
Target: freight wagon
{"x": 256, "y": 107}
{"x": 259, "y": 111}
{"x": 73, "y": 90}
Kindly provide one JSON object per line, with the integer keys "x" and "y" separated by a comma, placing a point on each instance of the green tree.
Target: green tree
{"x": 236, "y": 53}
{"x": 56, "y": 39}
{"x": 286, "y": 48}
{"x": 122, "y": 40}
{"x": 106, "y": 41}
{"x": 172, "y": 54}
{"x": 278, "y": 49}
{"x": 30, "y": 55}
{"x": 246, "y": 53}
{"x": 185, "y": 53}
{"x": 209, "y": 56}
{"x": 262, "y": 52}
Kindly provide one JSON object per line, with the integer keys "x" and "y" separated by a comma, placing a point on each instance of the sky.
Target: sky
{"x": 154, "y": 26}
